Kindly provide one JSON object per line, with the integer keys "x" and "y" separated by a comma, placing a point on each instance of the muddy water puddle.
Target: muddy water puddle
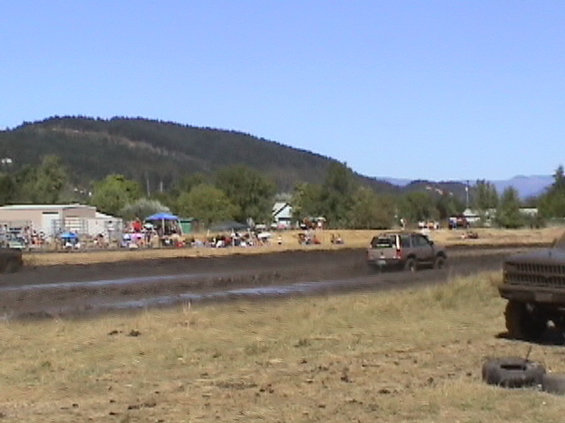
{"x": 301, "y": 288}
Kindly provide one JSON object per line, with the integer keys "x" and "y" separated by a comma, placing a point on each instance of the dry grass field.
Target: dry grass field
{"x": 352, "y": 238}
{"x": 411, "y": 356}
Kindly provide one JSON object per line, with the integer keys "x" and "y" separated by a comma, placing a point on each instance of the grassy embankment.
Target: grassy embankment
{"x": 366, "y": 357}
{"x": 352, "y": 238}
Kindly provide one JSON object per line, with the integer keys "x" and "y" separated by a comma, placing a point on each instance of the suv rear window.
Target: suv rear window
{"x": 383, "y": 242}
{"x": 405, "y": 241}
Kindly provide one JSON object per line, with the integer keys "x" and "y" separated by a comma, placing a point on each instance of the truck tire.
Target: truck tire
{"x": 523, "y": 323}
{"x": 553, "y": 383}
{"x": 512, "y": 372}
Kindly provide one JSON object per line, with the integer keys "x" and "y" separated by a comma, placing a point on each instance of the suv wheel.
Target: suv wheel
{"x": 523, "y": 323}
{"x": 410, "y": 265}
{"x": 439, "y": 262}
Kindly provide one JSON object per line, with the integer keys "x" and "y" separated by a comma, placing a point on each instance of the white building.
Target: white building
{"x": 52, "y": 219}
{"x": 282, "y": 215}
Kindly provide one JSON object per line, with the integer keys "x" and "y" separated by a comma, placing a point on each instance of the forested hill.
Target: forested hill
{"x": 158, "y": 152}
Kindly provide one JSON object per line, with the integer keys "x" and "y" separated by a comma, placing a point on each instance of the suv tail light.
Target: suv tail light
{"x": 398, "y": 252}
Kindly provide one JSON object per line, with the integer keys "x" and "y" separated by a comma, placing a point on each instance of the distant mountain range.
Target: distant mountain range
{"x": 527, "y": 186}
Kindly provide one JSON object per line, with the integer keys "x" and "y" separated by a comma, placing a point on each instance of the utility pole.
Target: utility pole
{"x": 467, "y": 195}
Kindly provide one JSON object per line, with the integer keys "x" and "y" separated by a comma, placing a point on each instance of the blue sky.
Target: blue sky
{"x": 438, "y": 90}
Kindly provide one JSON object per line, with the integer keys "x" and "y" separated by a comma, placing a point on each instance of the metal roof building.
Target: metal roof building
{"x": 54, "y": 218}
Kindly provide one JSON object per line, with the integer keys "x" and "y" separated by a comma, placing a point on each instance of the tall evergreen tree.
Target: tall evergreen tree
{"x": 552, "y": 203}
{"x": 508, "y": 213}
{"x": 485, "y": 195}
{"x": 559, "y": 179}
{"x": 485, "y": 198}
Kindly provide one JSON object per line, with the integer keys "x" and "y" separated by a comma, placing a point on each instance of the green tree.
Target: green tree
{"x": 7, "y": 189}
{"x": 25, "y": 178}
{"x": 168, "y": 199}
{"x": 508, "y": 213}
{"x": 248, "y": 189}
{"x": 114, "y": 192}
{"x": 371, "y": 211}
{"x": 448, "y": 205}
{"x": 337, "y": 194}
{"x": 51, "y": 178}
{"x": 417, "y": 206}
{"x": 307, "y": 201}
{"x": 44, "y": 183}
{"x": 552, "y": 203}
{"x": 559, "y": 179}
{"x": 187, "y": 182}
{"x": 208, "y": 204}
{"x": 485, "y": 198}
{"x": 181, "y": 186}
{"x": 142, "y": 208}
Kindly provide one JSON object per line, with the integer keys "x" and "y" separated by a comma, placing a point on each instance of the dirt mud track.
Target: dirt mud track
{"x": 76, "y": 290}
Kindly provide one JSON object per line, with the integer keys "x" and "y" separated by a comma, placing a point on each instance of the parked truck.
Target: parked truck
{"x": 534, "y": 285}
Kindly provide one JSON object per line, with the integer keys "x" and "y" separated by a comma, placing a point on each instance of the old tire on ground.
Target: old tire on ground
{"x": 439, "y": 263}
{"x": 410, "y": 265}
{"x": 523, "y": 323}
{"x": 553, "y": 383}
{"x": 512, "y": 372}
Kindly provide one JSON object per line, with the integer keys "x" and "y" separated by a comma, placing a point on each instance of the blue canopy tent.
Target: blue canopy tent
{"x": 69, "y": 239}
{"x": 162, "y": 218}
